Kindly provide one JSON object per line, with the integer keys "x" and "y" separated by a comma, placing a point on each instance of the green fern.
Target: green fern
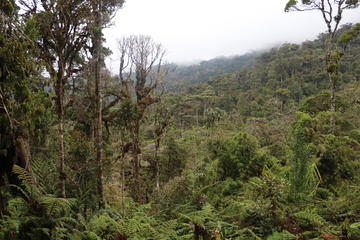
{"x": 44, "y": 172}
{"x": 56, "y": 206}
{"x": 240, "y": 210}
{"x": 104, "y": 227}
{"x": 202, "y": 216}
{"x": 310, "y": 217}
{"x": 28, "y": 181}
{"x": 284, "y": 235}
{"x": 23, "y": 174}
{"x": 17, "y": 207}
{"x": 354, "y": 231}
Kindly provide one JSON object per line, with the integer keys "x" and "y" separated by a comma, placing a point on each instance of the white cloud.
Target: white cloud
{"x": 203, "y": 29}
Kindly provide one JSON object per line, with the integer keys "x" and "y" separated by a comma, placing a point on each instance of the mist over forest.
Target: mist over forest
{"x": 261, "y": 145}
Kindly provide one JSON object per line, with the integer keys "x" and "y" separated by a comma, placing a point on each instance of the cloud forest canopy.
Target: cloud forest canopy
{"x": 240, "y": 148}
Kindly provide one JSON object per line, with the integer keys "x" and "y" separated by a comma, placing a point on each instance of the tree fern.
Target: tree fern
{"x": 23, "y": 175}
{"x": 44, "y": 172}
{"x": 56, "y": 206}
{"x": 304, "y": 175}
{"x": 202, "y": 216}
{"x": 28, "y": 182}
{"x": 104, "y": 227}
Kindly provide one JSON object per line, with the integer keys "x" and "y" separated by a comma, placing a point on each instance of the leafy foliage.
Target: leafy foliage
{"x": 239, "y": 148}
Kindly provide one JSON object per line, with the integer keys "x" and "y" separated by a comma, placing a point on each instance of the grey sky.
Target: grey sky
{"x": 203, "y": 29}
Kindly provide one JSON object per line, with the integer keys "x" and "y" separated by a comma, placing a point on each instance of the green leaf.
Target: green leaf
{"x": 289, "y": 5}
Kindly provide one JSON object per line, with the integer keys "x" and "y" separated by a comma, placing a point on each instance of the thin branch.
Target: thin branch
{"x": 6, "y": 111}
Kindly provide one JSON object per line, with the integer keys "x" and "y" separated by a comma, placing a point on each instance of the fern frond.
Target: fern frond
{"x": 24, "y": 192}
{"x": 56, "y": 206}
{"x": 310, "y": 217}
{"x": 28, "y": 182}
{"x": 69, "y": 220}
{"x": 313, "y": 177}
{"x": 22, "y": 174}
{"x": 240, "y": 210}
{"x": 17, "y": 207}
{"x": 284, "y": 235}
{"x": 44, "y": 173}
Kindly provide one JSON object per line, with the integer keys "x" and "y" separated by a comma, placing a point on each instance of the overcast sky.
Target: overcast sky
{"x": 193, "y": 30}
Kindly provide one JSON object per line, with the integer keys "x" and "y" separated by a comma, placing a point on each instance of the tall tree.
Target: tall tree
{"x": 332, "y": 14}
{"x": 103, "y": 11}
{"x": 64, "y": 31}
{"x": 21, "y": 96}
{"x": 97, "y": 45}
{"x": 145, "y": 57}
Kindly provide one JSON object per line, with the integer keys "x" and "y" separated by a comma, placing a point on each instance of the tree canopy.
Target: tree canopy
{"x": 240, "y": 148}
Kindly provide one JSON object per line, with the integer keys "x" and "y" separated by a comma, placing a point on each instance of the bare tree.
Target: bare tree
{"x": 140, "y": 73}
{"x": 332, "y": 14}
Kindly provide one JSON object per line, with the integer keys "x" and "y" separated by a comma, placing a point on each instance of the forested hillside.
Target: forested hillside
{"x": 260, "y": 146}
{"x": 180, "y": 76}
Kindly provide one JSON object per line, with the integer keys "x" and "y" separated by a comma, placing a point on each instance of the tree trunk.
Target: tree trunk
{"x": 329, "y": 46}
{"x": 2, "y": 202}
{"x": 201, "y": 233}
{"x": 157, "y": 170}
{"x": 123, "y": 185}
{"x": 98, "y": 112}
{"x": 136, "y": 177}
{"x": 333, "y": 103}
{"x": 60, "y": 103}
{"x": 333, "y": 75}
{"x": 136, "y": 164}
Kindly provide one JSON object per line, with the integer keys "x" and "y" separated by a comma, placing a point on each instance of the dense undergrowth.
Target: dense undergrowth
{"x": 246, "y": 156}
